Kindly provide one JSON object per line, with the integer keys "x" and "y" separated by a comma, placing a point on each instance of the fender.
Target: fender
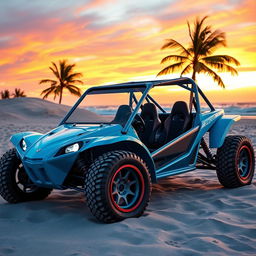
{"x": 106, "y": 140}
{"x": 220, "y": 129}
{"x": 126, "y": 142}
{"x": 29, "y": 137}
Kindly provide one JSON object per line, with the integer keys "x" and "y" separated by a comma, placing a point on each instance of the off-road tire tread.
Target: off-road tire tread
{"x": 226, "y": 161}
{"x": 7, "y": 191}
{"x": 97, "y": 175}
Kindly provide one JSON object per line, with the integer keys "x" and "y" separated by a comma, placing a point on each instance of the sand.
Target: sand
{"x": 189, "y": 214}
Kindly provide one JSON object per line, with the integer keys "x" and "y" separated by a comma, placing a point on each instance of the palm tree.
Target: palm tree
{"x": 5, "y": 94}
{"x": 66, "y": 78}
{"x": 18, "y": 93}
{"x": 197, "y": 57}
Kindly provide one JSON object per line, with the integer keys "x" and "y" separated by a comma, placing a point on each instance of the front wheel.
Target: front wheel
{"x": 235, "y": 162}
{"x": 15, "y": 185}
{"x": 117, "y": 186}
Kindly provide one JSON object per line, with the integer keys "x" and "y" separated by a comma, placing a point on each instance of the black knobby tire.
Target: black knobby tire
{"x": 10, "y": 164}
{"x": 235, "y": 162}
{"x": 105, "y": 180}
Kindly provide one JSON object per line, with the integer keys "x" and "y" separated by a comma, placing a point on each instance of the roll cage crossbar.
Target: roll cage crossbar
{"x": 145, "y": 87}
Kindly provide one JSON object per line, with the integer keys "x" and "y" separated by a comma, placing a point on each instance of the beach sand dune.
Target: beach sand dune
{"x": 30, "y": 109}
{"x": 189, "y": 214}
{"x": 35, "y": 110}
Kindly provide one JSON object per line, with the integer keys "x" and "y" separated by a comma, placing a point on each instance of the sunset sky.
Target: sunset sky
{"x": 115, "y": 41}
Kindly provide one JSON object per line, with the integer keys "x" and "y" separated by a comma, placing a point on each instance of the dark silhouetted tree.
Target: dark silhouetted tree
{"x": 66, "y": 78}
{"x": 197, "y": 57}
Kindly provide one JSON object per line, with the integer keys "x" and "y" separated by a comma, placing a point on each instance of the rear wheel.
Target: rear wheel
{"x": 117, "y": 186}
{"x": 15, "y": 185}
{"x": 235, "y": 162}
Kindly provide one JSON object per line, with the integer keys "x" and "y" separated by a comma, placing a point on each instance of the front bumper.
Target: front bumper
{"x": 51, "y": 172}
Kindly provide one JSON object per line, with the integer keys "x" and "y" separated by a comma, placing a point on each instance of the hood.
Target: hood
{"x": 64, "y": 135}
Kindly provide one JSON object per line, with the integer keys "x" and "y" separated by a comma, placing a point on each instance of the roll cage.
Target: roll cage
{"x": 145, "y": 87}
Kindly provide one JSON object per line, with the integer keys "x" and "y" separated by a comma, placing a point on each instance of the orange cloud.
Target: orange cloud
{"x": 109, "y": 50}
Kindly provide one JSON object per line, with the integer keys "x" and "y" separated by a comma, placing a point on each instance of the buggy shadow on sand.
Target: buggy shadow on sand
{"x": 114, "y": 153}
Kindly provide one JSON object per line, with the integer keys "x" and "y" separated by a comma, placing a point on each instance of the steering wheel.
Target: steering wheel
{"x": 138, "y": 123}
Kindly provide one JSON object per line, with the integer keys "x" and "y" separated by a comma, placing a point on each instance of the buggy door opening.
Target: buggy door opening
{"x": 168, "y": 112}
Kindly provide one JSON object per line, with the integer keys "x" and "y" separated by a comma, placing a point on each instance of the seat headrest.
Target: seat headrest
{"x": 124, "y": 109}
{"x": 122, "y": 115}
{"x": 149, "y": 110}
{"x": 180, "y": 107}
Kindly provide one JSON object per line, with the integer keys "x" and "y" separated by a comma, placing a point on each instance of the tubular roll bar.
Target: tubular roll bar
{"x": 182, "y": 82}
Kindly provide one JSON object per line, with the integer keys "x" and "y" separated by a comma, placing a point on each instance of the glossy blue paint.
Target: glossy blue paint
{"x": 48, "y": 166}
{"x": 219, "y": 131}
{"x": 29, "y": 137}
{"x": 187, "y": 161}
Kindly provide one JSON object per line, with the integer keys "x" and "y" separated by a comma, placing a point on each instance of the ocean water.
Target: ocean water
{"x": 243, "y": 109}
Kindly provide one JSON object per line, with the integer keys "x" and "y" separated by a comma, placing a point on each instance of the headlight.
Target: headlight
{"x": 23, "y": 145}
{"x": 72, "y": 148}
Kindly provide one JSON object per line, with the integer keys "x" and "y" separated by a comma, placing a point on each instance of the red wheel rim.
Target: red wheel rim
{"x": 244, "y": 162}
{"x": 127, "y": 182}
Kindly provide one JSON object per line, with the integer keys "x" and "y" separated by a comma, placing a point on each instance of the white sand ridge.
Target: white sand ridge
{"x": 35, "y": 110}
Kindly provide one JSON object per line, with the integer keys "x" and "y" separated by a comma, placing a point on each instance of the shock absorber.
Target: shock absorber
{"x": 207, "y": 151}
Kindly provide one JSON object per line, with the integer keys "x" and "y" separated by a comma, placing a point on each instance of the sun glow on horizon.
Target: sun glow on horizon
{"x": 113, "y": 41}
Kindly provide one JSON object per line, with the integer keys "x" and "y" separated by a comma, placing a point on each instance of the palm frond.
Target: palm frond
{"x": 222, "y": 67}
{"x": 197, "y": 35}
{"x": 47, "y": 89}
{"x": 66, "y": 71}
{"x": 62, "y": 67}
{"x": 174, "y": 57}
{"x": 204, "y": 69}
{"x": 216, "y": 37}
{"x": 186, "y": 70}
{"x": 46, "y": 95}
{"x": 74, "y": 90}
{"x": 172, "y": 44}
{"x": 55, "y": 70}
{"x": 57, "y": 91}
{"x": 18, "y": 93}
{"x": 221, "y": 59}
{"x": 171, "y": 68}
{"x": 74, "y": 87}
{"x": 5, "y": 94}
{"x": 46, "y": 92}
{"x": 214, "y": 41}
{"x": 48, "y": 81}
{"x": 190, "y": 31}
{"x": 76, "y": 81}
{"x": 73, "y": 77}
{"x": 204, "y": 33}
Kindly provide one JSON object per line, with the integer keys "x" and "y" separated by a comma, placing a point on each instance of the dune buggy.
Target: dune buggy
{"x": 118, "y": 139}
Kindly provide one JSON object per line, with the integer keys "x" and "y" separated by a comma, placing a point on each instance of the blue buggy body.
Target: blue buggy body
{"x": 47, "y": 168}
{"x": 114, "y": 160}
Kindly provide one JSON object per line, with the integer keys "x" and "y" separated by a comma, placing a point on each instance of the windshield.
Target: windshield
{"x": 109, "y": 106}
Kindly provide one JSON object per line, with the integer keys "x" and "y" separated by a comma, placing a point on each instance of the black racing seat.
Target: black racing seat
{"x": 122, "y": 115}
{"x": 152, "y": 122}
{"x": 177, "y": 122}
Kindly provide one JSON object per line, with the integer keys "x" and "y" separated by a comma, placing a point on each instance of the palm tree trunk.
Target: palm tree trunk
{"x": 194, "y": 75}
{"x": 60, "y": 95}
{"x": 191, "y": 93}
